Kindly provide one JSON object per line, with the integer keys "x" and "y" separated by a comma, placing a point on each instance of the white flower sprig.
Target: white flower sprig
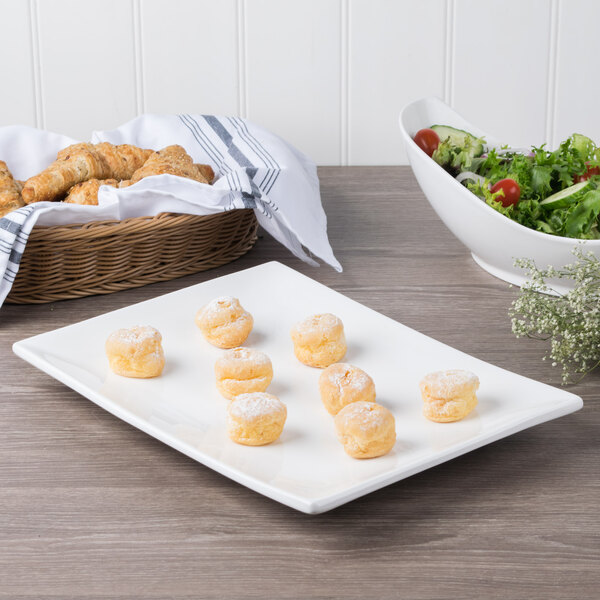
{"x": 570, "y": 321}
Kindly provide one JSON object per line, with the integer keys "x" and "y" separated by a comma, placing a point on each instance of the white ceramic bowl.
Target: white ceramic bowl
{"x": 494, "y": 240}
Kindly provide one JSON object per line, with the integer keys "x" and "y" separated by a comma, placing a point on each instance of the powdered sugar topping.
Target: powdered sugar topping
{"x": 447, "y": 384}
{"x": 255, "y": 406}
{"x": 246, "y": 354}
{"x": 218, "y": 305}
{"x": 366, "y": 415}
{"x": 323, "y": 321}
{"x": 343, "y": 375}
{"x": 135, "y": 335}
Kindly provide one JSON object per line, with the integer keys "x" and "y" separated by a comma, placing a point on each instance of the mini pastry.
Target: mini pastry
{"x": 319, "y": 340}
{"x": 341, "y": 384}
{"x": 449, "y": 395}
{"x": 366, "y": 429}
{"x": 86, "y": 192}
{"x": 135, "y": 352}
{"x": 241, "y": 371}
{"x": 255, "y": 419}
{"x": 224, "y": 323}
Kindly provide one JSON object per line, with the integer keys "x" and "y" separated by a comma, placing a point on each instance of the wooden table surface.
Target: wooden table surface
{"x": 91, "y": 508}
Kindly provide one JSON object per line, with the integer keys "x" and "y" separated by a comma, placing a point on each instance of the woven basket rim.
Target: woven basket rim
{"x": 95, "y": 229}
{"x": 182, "y": 217}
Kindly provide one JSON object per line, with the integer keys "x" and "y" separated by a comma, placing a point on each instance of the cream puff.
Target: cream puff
{"x": 365, "y": 429}
{"x": 135, "y": 352}
{"x": 224, "y": 322}
{"x": 241, "y": 371}
{"x": 255, "y": 419}
{"x": 341, "y": 384}
{"x": 449, "y": 395}
{"x": 319, "y": 341}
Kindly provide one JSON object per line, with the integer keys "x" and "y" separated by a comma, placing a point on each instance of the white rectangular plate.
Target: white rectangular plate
{"x": 306, "y": 468}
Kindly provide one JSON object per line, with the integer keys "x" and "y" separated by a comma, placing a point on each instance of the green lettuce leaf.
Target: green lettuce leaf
{"x": 583, "y": 218}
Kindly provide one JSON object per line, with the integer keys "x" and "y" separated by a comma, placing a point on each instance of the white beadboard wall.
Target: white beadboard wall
{"x": 328, "y": 75}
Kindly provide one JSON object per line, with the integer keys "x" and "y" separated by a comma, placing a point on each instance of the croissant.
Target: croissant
{"x": 80, "y": 162}
{"x": 65, "y": 153}
{"x": 86, "y": 192}
{"x": 207, "y": 172}
{"x": 73, "y": 165}
{"x": 124, "y": 160}
{"x": 10, "y": 191}
{"x": 172, "y": 160}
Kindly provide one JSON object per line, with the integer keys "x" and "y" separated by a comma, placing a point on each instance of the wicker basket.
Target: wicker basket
{"x": 102, "y": 257}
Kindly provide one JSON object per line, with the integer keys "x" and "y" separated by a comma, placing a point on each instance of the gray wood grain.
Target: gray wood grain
{"x": 91, "y": 508}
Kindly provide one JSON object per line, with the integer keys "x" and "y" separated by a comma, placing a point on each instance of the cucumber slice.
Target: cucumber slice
{"x": 459, "y": 138}
{"x": 570, "y": 195}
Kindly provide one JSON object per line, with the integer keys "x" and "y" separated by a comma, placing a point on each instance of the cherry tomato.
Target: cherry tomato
{"x": 585, "y": 176}
{"x": 511, "y": 189}
{"x": 428, "y": 140}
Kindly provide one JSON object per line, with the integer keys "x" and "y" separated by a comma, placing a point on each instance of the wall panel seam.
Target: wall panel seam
{"x": 138, "y": 54}
{"x": 345, "y": 8}
{"x": 242, "y": 59}
{"x": 36, "y": 64}
{"x": 552, "y": 90}
{"x": 450, "y": 52}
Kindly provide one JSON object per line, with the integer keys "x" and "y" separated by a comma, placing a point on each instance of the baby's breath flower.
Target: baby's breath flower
{"x": 570, "y": 321}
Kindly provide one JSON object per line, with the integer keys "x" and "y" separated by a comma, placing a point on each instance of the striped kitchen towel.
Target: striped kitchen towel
{"x": 255, "y": 169}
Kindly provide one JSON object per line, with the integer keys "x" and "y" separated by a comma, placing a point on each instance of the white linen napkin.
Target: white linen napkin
{"x": 254, "y": 169}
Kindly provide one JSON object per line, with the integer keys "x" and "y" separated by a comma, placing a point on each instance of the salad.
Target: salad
{"x": 556, "y": 192}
